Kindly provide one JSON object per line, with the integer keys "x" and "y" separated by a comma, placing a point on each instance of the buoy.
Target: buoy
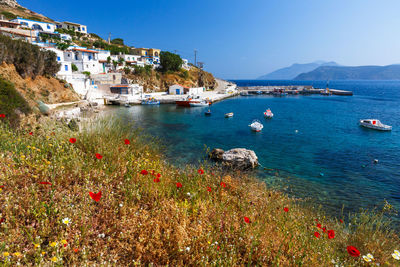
{"x": 321, "y": 174}
{"x": 375, "y": 161}
{"x": 363, "y": 166}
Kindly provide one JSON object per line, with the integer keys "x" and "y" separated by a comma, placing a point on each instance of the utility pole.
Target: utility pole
{"x": 109, "y": 38}
{"x": 195, "y": 57}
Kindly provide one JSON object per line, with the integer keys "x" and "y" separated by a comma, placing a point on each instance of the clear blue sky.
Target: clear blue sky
{"x": 245, "y": 39}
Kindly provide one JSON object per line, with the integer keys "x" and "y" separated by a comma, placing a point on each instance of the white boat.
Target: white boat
{"x": 375, "y": 124}
{"x": 199, "y": 104}
{"x": 229, "y": 115}
{"x": 256, "y": 126}
{"x": 268, "y": 114}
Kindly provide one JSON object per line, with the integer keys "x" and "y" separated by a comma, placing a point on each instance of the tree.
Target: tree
{"x": 118, "y": 41}
{"x": 170, "y": 61}
{"x": 74, "y": 67}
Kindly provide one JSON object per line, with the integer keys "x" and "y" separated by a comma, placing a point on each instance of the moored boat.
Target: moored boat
{"x": 256, "y": 126}
{"x": 245, "y": 93}
{"x": 375, "y": 124}
{"x": 268, "y": 114}
{"x": 199, "y": 104}
{"x": 150, "y": 101}
{"x": 229, "y": 115}
{"x": 208, "y": 113}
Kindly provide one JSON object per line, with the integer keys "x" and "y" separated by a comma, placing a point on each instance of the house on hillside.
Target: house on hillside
{"x": 84, "y": 59}
{"x": 29, "y": 36}
{"x": 150, "y": 56}
{"x": 130, "y": 60}
{"x": 35, "y": 25}
{"x": 65, "y": 66}
{"x": 72, "y": 26}
{"x": 178, "y": 89}
{"x": 9, "y": 24}
{"x": 103, "y": 57}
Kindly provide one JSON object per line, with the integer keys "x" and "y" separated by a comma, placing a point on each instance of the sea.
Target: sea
{"x": 313, "y": 148}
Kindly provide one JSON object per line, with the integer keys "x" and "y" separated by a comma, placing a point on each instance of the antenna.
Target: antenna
{"x": 109, "y": 38}
{"x": 195, "y": 57}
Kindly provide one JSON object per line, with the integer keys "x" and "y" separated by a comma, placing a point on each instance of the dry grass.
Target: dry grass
{"x": 138, "y": 221}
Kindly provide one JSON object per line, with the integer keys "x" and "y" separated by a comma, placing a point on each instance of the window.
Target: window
{"x": 48, "y": 26}
{"x": 90, "y": 57}
{"x": 58, "y": 58}
{"x": 76, "y": 56}
{"x": 66, "y": 67}
{"x": 83, "y": 29}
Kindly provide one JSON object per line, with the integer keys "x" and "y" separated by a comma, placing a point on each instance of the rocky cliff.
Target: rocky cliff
{"x": 10, "y": 3}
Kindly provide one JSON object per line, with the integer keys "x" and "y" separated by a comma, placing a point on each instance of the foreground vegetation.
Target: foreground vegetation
{"x": 105, "y": 196}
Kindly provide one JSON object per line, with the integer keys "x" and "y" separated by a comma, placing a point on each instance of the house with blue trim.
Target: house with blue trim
{"x": 35, "y": 25}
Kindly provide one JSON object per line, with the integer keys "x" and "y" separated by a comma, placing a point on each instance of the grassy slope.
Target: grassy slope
{"x": 140, "y": 221}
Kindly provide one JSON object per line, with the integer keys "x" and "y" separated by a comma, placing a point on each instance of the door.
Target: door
{"x": 178, "y": 92}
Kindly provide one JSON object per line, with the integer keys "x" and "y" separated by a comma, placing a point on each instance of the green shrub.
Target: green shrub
{"x": 170, "y": 61}
{"x": 74, "y": 67}
{"x": 8, "y": 15}
{"x": 118, "y": 41}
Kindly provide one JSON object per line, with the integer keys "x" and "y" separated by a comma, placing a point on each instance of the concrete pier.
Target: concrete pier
{"x": 292, "y": 90}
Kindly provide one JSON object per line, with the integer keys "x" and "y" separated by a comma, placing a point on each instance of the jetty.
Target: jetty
{"x": 292, "y": 90}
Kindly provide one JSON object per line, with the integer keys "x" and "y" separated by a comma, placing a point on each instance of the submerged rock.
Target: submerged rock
{"x": 237, "y": 158}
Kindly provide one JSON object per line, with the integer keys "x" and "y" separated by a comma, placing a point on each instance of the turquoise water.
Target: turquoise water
{"x": 328, "y": 159}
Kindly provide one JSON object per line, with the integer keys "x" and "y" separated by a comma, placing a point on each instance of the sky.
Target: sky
{"x": 238, "y": 39}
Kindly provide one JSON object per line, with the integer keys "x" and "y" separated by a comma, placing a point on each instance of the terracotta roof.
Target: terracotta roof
{"x": 102, "y": 61}
{"x": 121, "y": 85}
{"x": 182, "y": 86}
{"x": 85, "y": 50}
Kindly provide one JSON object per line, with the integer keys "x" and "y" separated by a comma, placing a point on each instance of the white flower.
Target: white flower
{"x": 66, "y": 221}
{"x": 188, "y": 193}
{"x": 366, "y": 258}
{"x": 369, "y": 255}
{"x": 187, "y": 249}
{"x": 396, "y": 256}
{"x": 397, "y": 252}
{"x": 120, "y": 204}
{"x": 101, "y": 235}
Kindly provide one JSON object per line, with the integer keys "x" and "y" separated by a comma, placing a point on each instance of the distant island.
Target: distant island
{"x": 289, "y": 73}
{"x": 390, "y": 72}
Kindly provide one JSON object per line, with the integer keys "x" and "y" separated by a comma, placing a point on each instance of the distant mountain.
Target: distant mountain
{"x": 390, "y": 72}
{"x": 293, "y": 71}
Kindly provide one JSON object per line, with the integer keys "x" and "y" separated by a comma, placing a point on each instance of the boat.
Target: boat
{"x": 229, "y": 115}
{"x": 375, "y": 124}
{"x": 258, "y": 92}
{"x": 245, "y": 93}
{"x": 199, "y": 104}
{"x": 127, "y": 105}
{"x": 186, "y": 102}
{"x": 207, "y": 113}
{"x": 326, "y": 91}
{"x": 268, "y": 114}
{"x": 256, "y": 126}
{"x": 150, "y": 101}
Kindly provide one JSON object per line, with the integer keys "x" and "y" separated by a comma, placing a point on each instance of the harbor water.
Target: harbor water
{"x": 312, "y": 148}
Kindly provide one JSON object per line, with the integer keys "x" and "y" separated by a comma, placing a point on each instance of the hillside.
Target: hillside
{"x": 291, "y": 72}
{"x": 10, "y": 9}
{"x": 390, "y": 72}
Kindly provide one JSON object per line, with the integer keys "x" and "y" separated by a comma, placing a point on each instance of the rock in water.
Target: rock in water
{"x": 237, "y": 158}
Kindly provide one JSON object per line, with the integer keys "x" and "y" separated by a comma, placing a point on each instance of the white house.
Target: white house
{"x": 103, "y": 56}
{"x": 185, "y": 64}
{"x": 85, "y": 59}
{"x": 65, "y": 37}
{"x": 65, "y": 67}
{"x": 196, "y": 91}
{"x": 36, "y": 25}
{"x": 178, "y": 89}
{"x": 72, "y": 26}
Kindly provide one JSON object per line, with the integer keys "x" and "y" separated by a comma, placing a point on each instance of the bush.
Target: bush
{"x": 118, "y": 41}
{"x": 184, "y": 74}
{"x": 170, "y": 61}
{"x": 127, "y": 70}
{"x": 8, "y": 15}
{"x": 74, "y": 67}
{"x": 11, "y": 101}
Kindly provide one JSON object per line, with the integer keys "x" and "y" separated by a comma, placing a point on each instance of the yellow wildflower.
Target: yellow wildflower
{"x": 397, "y": 252}
{"x": 53, "y": 244}
{"x": 17, "y": 254}
{"x": 395, "y": 256}
{"x": 54, "y": 259}
{"x": 6, "y": 254}
{"x": 64, "y": 242}
{"x": 62, "y": 167}
{"x": 66, "y": 221}
{"x": 22, "y": 156}
{"x": 36, "y": 245}
{"x": 43, "y": 252}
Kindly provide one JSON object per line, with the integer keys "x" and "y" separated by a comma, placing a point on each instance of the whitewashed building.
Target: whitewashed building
{"x": 65, "y": 66}
{"x": 36, "y": 25}
{"x": 72, "y": 26}
{"x": 84, "y": 59}
{"x": 178, "y": 89}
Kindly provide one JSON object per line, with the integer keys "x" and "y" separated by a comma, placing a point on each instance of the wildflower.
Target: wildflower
{"x": 2, "y": 115}
{"x": 99, "y": 156}
{"x": 353, "y": 251}
{"x": 187, "y": 249}
{"x": 158, "y": 175}
{"x": 319, "y": 226}
{"x": 72, "y": 140}
{"x": 121, "y": 205}
{"x": 331, "y": 234}
{"x": 47, "y": 183}
{"x": 188, "y": 193}
{"x": 53, "y": 244}
{"x": 223, "y": 184}
{"x": 36, "y": 245}
{"x": 54, "y": 259}
{"x": 324, "y": 229}
{"x": 64, "y": 242}
{"x": 200, "y": 171}
{"x": 397, "y": 252}
{"x": 127, "y": 142}
{"x": 102, "y": 235}
{"x": 218, "y": 247}
{"x": 247, "y": 219}
{"x": 43, "y": 252}
{"x": 66, "y": 221}
{"x": 317, "y": 235}
{"x": 208, "y": 189}
{"x": 6, "y": 254}
{"x": 144, "y": 172}
{"x": 368, "y": 257}
{"x": 17, "y": 254}
{"x": 396, "y": 255}
{"x": 286, "y": 209}
{"x": 30, "y": 133}
{"x": 341, "y": 221}
{"x": 156, "y": 180}
{"x": 178, "y": 185}
{"x": 95, "y": 197}
{"x": 76, "y": 250}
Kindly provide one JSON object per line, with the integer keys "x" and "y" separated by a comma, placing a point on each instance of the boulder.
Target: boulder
{"x": 237, "y": 158}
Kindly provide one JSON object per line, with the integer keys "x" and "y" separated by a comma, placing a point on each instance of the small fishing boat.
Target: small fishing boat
{"x": 375, "y": 124}
{"x": 268, "y": 114}
{"x": 199, "y": 104}
{"x": 150, "y": 101}
{"x": 256, "y": 126}
{"x": 245, "y": 93}
{"x": 207, "y": 113}
{"x": 258, "y": 92}
{"x": 127, "y": 105}
{"x": 229, "y": 115}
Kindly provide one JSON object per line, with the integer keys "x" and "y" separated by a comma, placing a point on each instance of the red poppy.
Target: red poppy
{"x": 178, "y": 185}
{"x": 341, "y": 221}
{"x": 95, "y": 197}
{"x": 316, "y": 220}
{"x": 1, "y": 186}
{"x": 30, "y": 133}
{"x": 353, "y": 251}
{"x": 144, "y": 172}
{"x": 2, "y": 115}
{"x": 200, "y": 171}
{"x": 153, "y": 172}
{"x": 324, "y": 229}
{"x": 2, "y": 220}
{"x": 218, "y": 247}
{"x": 156, "y": 180}
{"x": 127, "y": 142}
{"x": 319, "y": 225}
{"x": 99, "y": 156}
{"x": 65, "y": 245}
{"x": 286, "y": 209}
{"x": 72, "y": 140}
{"x": 317, "y": 235}
{"x": 247, "y": 219}
{"x": 208, "y": 189}
{"x": 76, "y": 250}
{"x": 223, "y": 184}
{"x": 331, "y": 234}
{"x": 45, "y": 183}
{"x": 158, "y": 175}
